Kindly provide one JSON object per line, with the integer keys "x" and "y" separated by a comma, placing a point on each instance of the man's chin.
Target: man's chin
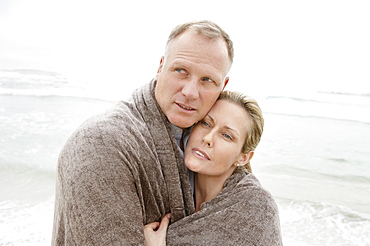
{"x": 182, "y": 122}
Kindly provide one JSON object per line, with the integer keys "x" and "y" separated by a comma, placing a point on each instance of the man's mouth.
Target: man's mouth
{"x": 185, "y": 107}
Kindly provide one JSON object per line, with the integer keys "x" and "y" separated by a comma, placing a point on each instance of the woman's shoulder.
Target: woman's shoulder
{"x": 248, "y": 188}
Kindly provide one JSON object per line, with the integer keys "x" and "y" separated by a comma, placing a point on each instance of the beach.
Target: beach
{"x": 313, "y": 157}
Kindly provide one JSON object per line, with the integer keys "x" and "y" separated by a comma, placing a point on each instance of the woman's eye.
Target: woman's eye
{"x": 227, "y": 136}
{"x": 205, "y": 123}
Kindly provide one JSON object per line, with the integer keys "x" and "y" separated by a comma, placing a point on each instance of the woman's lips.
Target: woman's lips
{"x": 200, "y": 154}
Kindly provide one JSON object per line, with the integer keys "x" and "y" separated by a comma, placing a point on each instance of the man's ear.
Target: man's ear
{"x": 225, "y": 83}
{"x": 244, "y": 158}
{"x": 160, "y": 65}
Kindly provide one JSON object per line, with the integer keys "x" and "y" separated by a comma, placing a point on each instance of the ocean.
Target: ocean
{"x": 314, "y": 157}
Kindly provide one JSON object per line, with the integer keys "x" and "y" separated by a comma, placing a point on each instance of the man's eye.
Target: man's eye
{"x": 207, "y": 79}
{"x": 180, "y": 70}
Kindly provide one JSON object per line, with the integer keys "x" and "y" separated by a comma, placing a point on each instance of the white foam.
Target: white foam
{"x": 26, "y": 225}
{"x": 315, "y": 223}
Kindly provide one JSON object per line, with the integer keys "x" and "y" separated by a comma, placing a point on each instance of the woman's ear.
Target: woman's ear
{"x": 244, "y": 158}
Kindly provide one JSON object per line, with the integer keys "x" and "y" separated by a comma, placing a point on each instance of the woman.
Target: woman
{"x": 232, "y": 206}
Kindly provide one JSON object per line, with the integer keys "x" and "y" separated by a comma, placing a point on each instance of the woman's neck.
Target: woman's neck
{"x": 206, "y": 188}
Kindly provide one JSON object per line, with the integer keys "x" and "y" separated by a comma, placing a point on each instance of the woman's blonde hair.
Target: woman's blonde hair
{"x": 255, "y": 129}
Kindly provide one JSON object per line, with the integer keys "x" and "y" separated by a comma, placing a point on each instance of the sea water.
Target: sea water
{"x": 314, "y": 157}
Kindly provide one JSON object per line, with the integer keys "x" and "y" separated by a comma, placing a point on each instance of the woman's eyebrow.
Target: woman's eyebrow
{"x": 232, "y": 129}
{"x": 208, "y": 116}
{"x": 226, "y": 127}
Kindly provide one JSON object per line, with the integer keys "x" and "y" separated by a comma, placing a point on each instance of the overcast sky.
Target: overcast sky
{"x": 279, "y": 45}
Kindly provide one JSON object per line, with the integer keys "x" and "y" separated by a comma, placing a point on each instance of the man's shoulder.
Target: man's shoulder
{"x": 121, "y": 118}
{"x": 120, "y": 112}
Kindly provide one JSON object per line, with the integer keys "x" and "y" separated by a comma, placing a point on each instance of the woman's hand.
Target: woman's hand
{"x": 155, "y": 232}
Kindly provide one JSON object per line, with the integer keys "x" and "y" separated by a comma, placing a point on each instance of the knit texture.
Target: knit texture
{"x": 122, "y": 169}
{"x": 243, "y": 213}
{"x": 118, "y": 171}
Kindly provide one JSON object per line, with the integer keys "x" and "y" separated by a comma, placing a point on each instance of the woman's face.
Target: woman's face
{"x": 215, "y": 144}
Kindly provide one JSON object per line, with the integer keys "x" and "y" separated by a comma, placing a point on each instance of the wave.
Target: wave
{"x": 25, "y": 222}
{"x": 318, "y": 223}
{"x": 319, "y": 117}
{"x": 340, "y": 160}
{"x": 292, "y": 98}
{"x": 29, "y": 77}
{"x": 323, "y": 106}
{"x": 44, "y": 83}
{"x": 296, "y": 171}
{"x": 30, "y": 72}
{"x": 345, "y": 93}
{"x": 62, "y": 93}
{"x": 334, "y": 100}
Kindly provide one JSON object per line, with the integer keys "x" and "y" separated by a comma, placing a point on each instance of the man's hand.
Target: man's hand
{"x": 155, "y": 232}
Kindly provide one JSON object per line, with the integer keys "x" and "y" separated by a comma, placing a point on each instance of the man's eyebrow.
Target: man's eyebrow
{"x": 179, "y": 63}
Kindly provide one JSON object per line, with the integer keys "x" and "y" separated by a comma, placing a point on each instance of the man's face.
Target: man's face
{"x": 190, "y": 77}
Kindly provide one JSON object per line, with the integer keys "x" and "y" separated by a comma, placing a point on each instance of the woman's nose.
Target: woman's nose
{"x": 208, "y": 139}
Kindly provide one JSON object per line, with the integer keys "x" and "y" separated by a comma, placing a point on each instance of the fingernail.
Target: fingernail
{"x": 168, "y": 216}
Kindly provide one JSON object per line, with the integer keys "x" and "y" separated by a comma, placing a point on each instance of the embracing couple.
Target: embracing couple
{"x": 171, "y": 165}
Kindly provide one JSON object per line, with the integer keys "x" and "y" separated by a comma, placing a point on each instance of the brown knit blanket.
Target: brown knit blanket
{"x": 119, "y": 171}
{"x": 243, "y": 213}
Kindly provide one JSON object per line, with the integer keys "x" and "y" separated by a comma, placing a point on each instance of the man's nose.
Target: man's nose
{"x": 191, "y": 89}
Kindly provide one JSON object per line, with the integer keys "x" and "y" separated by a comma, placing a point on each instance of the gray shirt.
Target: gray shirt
{"x": 183, "y": 135}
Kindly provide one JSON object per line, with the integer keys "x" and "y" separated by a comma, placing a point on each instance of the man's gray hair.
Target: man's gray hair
{"x": 206, "y": 28}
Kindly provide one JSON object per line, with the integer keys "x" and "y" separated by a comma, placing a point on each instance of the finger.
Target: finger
{"x": 152, "y": 226}
{"x": 164, "y": 223}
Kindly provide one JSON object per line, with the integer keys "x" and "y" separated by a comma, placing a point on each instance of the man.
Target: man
{"x": 127, "y": 161}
